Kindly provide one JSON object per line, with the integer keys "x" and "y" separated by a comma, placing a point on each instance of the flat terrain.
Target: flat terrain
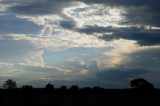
{"x": 105, "y": 98}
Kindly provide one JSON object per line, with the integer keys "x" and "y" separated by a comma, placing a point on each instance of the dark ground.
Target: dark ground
{"x": 102, "y": 97}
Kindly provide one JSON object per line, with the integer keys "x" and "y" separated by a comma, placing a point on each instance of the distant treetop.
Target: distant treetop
{"x": 10, "y": 84}
{"x": 141, "y": 83}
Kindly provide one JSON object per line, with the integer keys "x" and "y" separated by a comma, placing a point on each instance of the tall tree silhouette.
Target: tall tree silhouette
{"x": 141, "y": 83}
{"x": 9, "y": 84}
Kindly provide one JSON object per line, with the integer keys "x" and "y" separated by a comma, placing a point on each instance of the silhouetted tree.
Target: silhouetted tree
{"x": 87, "y": 90}
{"x": 74, "y": 89}
{"x": 98, "y": 90}
{"x": 9, "y": 84}
{"x": 27, "y": 86}
{"x": 141, "y": 83}
{"x": 96, "y": 87}
{"x": 63, "y": 88}
{"x": 49, "y": 88}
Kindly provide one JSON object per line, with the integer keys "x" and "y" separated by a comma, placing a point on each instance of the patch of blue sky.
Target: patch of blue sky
{"x": 61, "y": 57}
{"x": 10, "y": 24}
{"x": 13, "y": 51}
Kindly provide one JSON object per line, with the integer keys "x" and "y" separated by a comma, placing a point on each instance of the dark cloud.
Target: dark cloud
{"x": 143, "y": 12}
{"x": 118, "y": 77}
{"x": 56, "y": 6}
{"x": 108, "y": 2}
{"x": 94, "y": 29}
{"x": 11, "y": 24}
{"x": 138, "y": 11}
{"x": 142, "y": 38}
{"x": 148, "y": 58}
{"x": 140, "y": 34}
{"x": 142, "y": 63}
{"x": 125, "y": 2}
{"x": 147, "y": 38}
{"x": 68, "y": 24}
{"x": 119, "y": 74}
{"x": 39, "y": 7}
{"x": 143, "y": 15}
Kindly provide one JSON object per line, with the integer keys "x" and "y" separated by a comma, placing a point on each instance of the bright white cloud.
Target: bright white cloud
{"x": 130, "y": 55}
{"x": 120, "y": 52}
{"x": 100, "y": 15}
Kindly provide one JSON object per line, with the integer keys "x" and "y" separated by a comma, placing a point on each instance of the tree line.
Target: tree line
{"x": 138, "y": 83}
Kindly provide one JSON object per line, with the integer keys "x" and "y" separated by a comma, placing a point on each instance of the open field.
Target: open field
{"x": 39, "y": 97}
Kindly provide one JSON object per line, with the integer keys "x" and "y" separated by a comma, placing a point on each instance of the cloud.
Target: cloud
{"x": 129, "y": 54}
{"x": 117, "y": 21}
{"x": 126, "y": 3}
{"x": 144, "y": 57}
{"x": 28, "y": 74}
{"x": 153, "y": 77}
{"x": 148, "y": 8}
{"x": 144, "y": 35}
{"x": 135, "y": 15}
{"x": 30, "y": 49}
{"x": 121, "y": 19}
{"x": 118, "y": 77}
{"x": 120, "y": 52}
{"x": 37, "y": 7}
{"x": 132, "y": 65}
{"x": 22, "y": 71}
{"x": 90, "y": 15}
{"x": 67, "y": 24}
{"x": 128, "y": 61}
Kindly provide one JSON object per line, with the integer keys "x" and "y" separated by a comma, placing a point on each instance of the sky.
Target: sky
{"x": 103, "y": 43}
